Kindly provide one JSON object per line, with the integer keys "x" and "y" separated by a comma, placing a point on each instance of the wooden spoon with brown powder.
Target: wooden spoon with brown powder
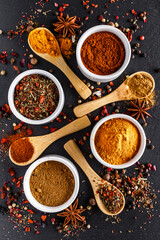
{"x": 60, "y": 63}
{"x": 138, "y": 85}
{"x": 95, "y": 180}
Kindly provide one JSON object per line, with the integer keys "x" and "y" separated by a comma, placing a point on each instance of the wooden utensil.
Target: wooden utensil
{"x": 60, "y": 63}
{"x": 120, "y": 94}
{"x": 40, "y": 143}
{"x": 95, "y": 180}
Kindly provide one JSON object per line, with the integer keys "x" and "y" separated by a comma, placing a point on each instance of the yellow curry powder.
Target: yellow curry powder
{"x": 117, "y": 141}
{"x": 43, "y": 41}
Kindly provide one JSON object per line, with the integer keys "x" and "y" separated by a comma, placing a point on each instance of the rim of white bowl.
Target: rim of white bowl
{"x": 118, "y": 33}
{"x": 12, "y": 90}
{"x": 141, "y": 147}
{"x": 26, "y": 184}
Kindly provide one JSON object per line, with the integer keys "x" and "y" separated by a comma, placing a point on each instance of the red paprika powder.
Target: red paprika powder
{"x": 103, "y": 53}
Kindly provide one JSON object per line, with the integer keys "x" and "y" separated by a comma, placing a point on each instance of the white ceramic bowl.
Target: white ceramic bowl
{"x": 103, "y": 78}
{"x": 141, "y": 147}
{"x": 12, "y": 90}
{"x": 27, "y": 190}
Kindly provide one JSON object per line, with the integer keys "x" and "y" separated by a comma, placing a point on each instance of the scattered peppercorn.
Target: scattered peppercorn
{"x": 33, "y": 61}
{"x": 151, "y": 147}
{"x": 141, "y": 38}
{"x": 92, "y": 201}
{"x": 3, "y": 72}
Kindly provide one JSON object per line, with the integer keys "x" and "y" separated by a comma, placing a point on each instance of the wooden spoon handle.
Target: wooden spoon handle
{"x": 80, "y": 86}
{"x": 88, "y": 107}
{"x": 72, "y": 127}
{"x": 73, "y": 150}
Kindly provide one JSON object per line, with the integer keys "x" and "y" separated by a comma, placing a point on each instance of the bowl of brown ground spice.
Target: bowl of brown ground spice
{"x": 51, "y": 183}
{"x": 118, "y": 141}
{"x": 103, "y": 52}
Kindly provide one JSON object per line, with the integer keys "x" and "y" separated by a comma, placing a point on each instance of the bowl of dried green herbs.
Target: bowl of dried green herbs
{"x": 36, "y": 97}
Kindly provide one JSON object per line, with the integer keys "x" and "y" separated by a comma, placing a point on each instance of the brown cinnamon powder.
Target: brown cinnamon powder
{"x": 52, "y": 183}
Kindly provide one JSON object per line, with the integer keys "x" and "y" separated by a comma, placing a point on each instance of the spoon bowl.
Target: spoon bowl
{"x": 60, "y": 63}
{"x": 40, "y": 143}
{"x": 122, "y": 93}
{"x": 95, "y": 180}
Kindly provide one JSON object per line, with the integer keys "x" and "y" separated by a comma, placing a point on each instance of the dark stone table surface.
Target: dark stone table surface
{"x": 11, "y": 12}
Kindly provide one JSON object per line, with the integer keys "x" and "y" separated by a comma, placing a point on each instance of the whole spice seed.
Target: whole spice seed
{"x": 3, "y": 72}
{"x": 21, "y": 150}
{"x": 73, "y": 214}
{"x": 139, "y": 110}
{"x": 66, "y": 26}
{"x": 36, "y": 97}
{"x": 111, "y": 198}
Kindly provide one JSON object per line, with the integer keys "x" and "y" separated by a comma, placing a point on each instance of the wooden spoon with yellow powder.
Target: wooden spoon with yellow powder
{"x": 138, "y": 85}
{"x": 44, "y": 44}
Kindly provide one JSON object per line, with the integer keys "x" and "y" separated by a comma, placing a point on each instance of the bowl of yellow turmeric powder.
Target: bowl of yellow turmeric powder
{"x": 118, "y": 141}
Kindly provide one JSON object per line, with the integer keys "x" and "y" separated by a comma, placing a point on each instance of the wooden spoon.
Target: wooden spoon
{"x": 120, "y": 94}
{"x": 60, "y": 63}
{"x": 40, "y": 143}
{"x": 95, "y": 180}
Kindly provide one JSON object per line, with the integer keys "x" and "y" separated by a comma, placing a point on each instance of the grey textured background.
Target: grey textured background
{"x": 10, "y": 15}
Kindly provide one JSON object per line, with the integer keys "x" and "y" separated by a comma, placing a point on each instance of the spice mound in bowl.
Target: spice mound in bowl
{"x": 103, "y": 53}
{"x": 52, "y": 183}
{"x": 36, "y": 97}
{"x": 117, "y": 141}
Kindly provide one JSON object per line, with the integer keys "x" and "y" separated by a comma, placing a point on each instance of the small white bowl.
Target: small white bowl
{"x": 27, "y": 190}
{"x": 12, "y": 91}
{"x": 110, "y": 77}
{"x": 141, "y": 147}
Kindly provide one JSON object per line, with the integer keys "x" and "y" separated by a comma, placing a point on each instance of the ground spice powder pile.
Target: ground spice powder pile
{"x": 103, "y": 53}
{"x": 117, "y": 141}
{"x": 52, "y": 183}
{"x": 43, "y": 41}
{"x": 140, "y": 85}
{"x": 21, "y": 150}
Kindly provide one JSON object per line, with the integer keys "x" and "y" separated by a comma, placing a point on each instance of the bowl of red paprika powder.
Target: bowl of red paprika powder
{"x": 103, "y": 53}
{"x": 36, "y": 97}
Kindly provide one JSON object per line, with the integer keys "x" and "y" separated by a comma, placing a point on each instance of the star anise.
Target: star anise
{"x": 139, "y": 110}
{"x": 66, "y": 25}
{"x": 72, "y": 214}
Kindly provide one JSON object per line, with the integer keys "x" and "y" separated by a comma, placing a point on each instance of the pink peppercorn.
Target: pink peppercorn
{"x": 149, "y": 165}
{"x": 117, "y": 17}
{"x": 141, "y": 38}
{"x": 154, "y": 168}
